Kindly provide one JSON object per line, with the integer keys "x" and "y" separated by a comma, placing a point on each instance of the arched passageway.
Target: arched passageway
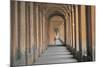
{"x": 35, "y": 26}
{"x": 56, "y": 30}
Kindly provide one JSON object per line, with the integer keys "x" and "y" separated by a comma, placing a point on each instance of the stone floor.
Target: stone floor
{"x": 56, "y": 54}
{"x": 58, "y": 42}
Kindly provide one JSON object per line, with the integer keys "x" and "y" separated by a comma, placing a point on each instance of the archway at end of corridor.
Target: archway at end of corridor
{"x": 57, "y": 32}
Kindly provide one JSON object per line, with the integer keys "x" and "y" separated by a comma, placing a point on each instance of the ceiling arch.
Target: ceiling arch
{"x": 55, "y": 13}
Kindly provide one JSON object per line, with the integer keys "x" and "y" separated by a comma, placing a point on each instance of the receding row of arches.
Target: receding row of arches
{"x": 35, "y": 25}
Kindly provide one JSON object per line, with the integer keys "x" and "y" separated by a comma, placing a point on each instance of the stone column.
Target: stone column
{"x": 93, "y": 30}
{"x": 44, "y": 31}
{"x": 73, "y": 26}
{"x": 27, "y": 32}
{"x": 66, "y": 17}
{"x": 31, "y": 35}
{"x": 77, "y": 29}
{"x": 83, "y": 30}
{"x": 40, "y": 51}
{"x": 68, "y": 26}
{"x": 37, "y": 30}
{"x": 71, "y": 39}
{"x": 14, "y": 32}
{"x": 22, "y": 33}
{"x": 90, "y": 31}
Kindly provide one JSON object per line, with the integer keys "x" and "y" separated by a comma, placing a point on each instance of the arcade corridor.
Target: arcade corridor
{"x": 45, "y": 33}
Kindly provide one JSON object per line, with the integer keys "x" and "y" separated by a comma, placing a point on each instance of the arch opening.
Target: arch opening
{"x": 57, "y": 32}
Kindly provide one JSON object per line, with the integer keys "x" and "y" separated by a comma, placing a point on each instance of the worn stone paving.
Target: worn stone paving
{"x": 56, "y": 54}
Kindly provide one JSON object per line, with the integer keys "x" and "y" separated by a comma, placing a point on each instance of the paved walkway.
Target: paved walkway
{"x": 58, "y": 42}
{"x": 56, "y": 54}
